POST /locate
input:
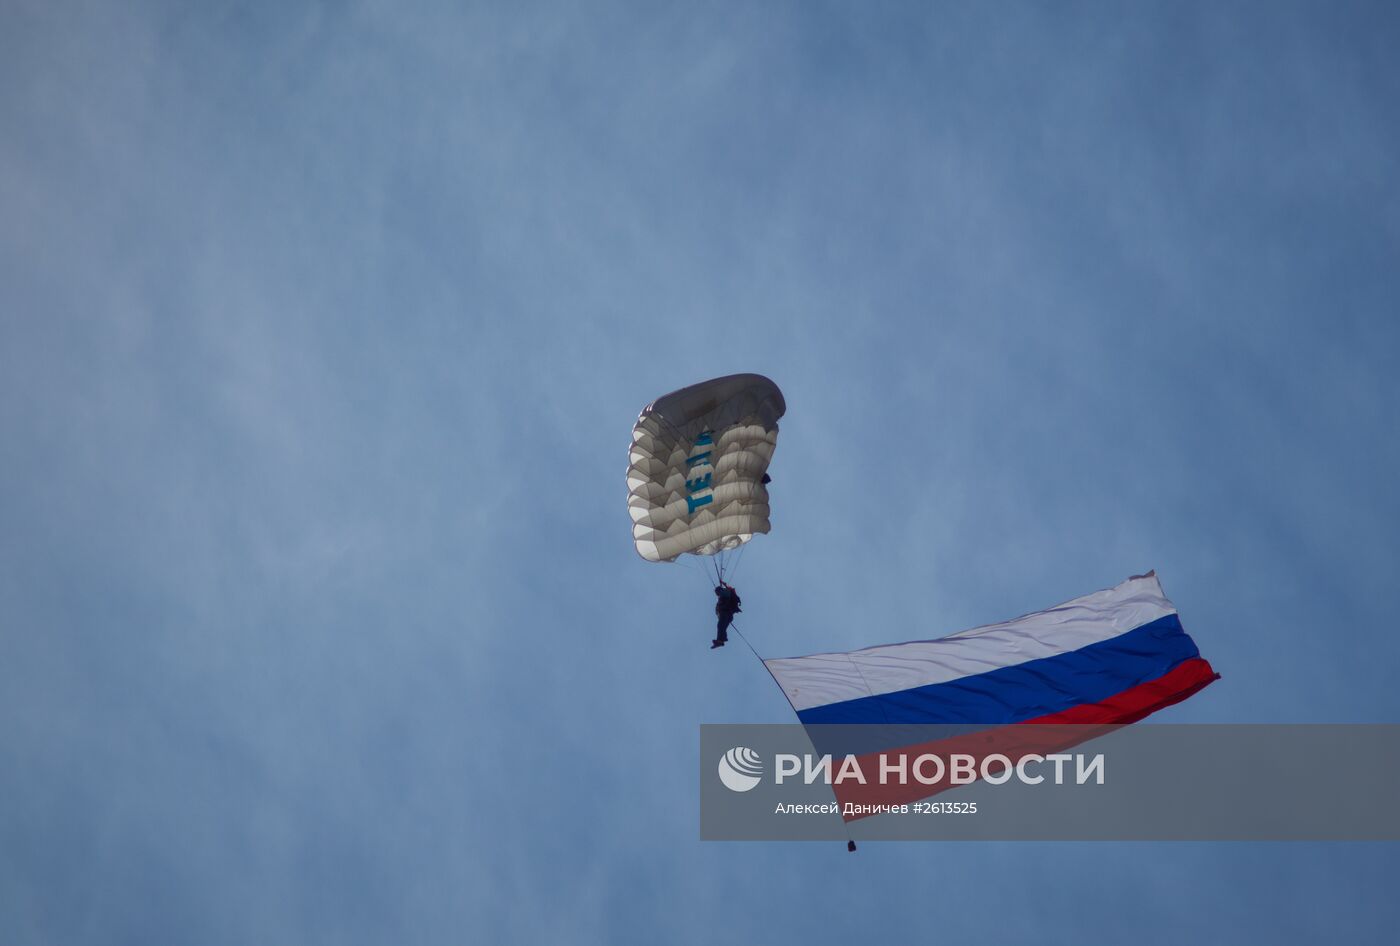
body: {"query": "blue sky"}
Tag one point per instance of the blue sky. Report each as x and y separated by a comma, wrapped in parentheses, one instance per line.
(322, 330)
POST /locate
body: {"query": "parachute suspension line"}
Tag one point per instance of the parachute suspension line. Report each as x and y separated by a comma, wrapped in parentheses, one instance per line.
(697, 569)
(740, 557)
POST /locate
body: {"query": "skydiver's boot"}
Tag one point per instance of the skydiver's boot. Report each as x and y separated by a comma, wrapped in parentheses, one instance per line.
(716, 643)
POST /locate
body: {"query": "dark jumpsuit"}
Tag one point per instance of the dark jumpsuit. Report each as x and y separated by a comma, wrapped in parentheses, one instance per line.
(726, 605)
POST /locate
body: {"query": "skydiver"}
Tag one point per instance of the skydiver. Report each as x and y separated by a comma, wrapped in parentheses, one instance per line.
(726, 606)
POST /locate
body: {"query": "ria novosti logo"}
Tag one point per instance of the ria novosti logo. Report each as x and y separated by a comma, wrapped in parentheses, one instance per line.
(740, 769)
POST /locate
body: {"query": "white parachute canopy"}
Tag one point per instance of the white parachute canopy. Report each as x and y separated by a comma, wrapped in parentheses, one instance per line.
(696, 467)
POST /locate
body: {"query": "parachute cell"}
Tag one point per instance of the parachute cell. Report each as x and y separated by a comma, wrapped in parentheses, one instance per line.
(696, 467)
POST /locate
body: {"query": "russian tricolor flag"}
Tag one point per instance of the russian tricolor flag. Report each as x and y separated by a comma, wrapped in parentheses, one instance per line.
(1105, 659)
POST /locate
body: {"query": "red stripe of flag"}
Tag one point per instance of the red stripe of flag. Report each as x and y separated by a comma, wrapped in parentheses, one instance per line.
(1042, 735)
